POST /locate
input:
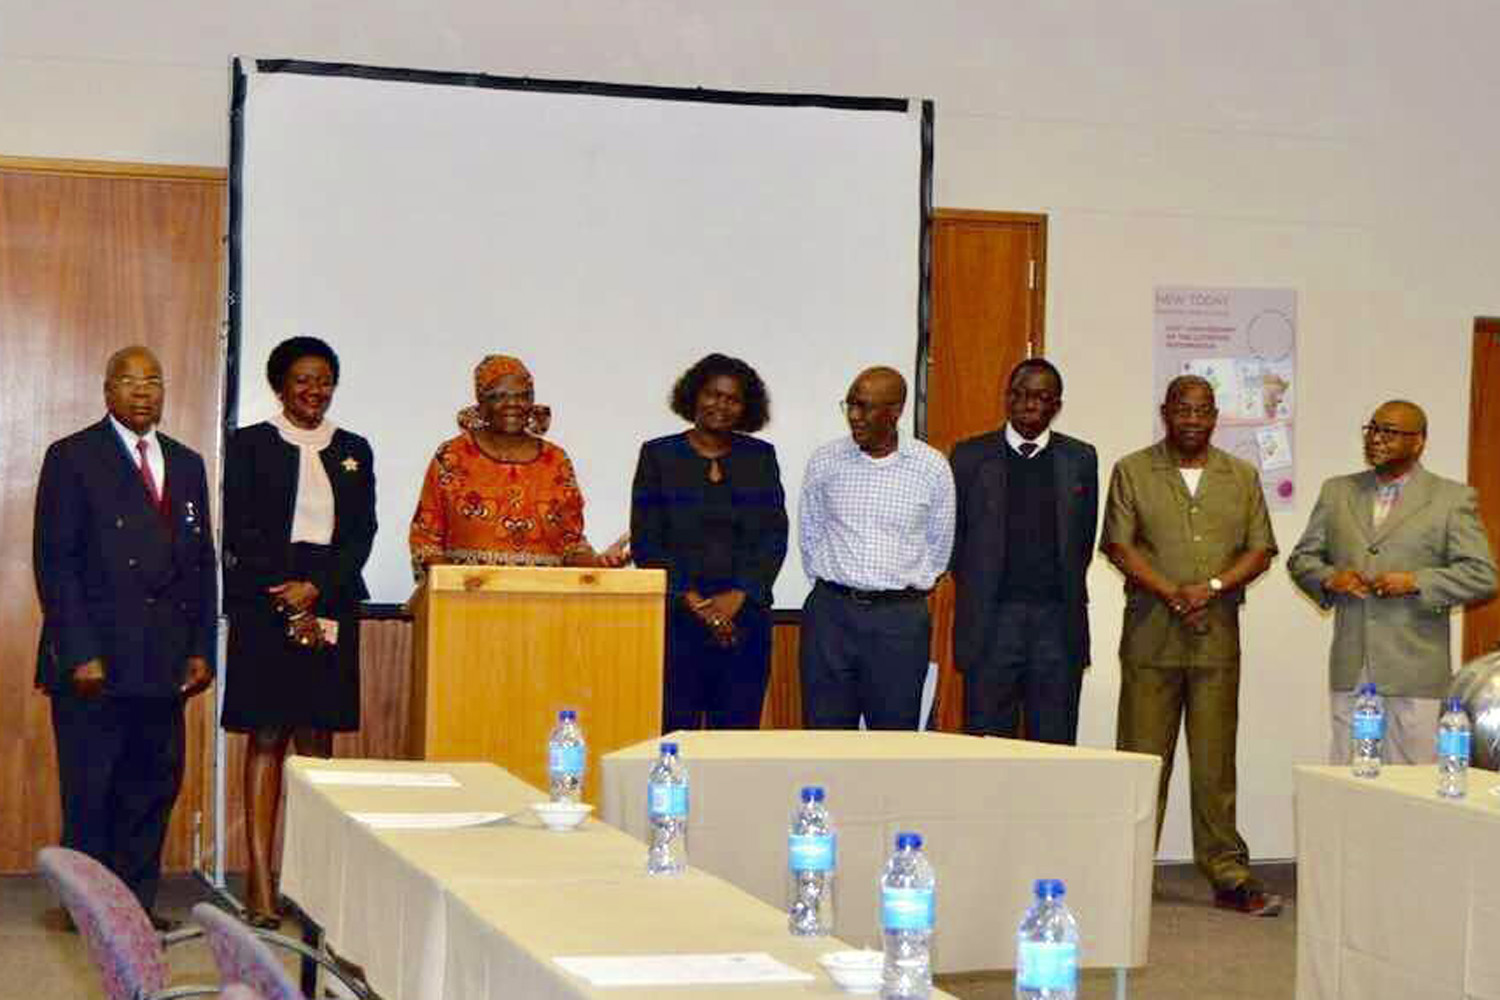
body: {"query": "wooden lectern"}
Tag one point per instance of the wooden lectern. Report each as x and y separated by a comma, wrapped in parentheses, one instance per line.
(499, 650)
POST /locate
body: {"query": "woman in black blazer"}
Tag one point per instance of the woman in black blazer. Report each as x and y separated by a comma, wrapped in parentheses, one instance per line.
(299, 520)
(708, 507)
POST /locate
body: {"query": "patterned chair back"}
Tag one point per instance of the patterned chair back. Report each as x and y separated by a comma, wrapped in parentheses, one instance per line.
(121, 942)
(242, 957)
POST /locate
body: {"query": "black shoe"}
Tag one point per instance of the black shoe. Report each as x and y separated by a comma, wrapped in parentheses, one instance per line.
(164, 925)
(1248, 899)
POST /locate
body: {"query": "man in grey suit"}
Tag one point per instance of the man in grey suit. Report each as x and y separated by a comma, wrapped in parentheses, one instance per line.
(1393, 551)
(1028, 506)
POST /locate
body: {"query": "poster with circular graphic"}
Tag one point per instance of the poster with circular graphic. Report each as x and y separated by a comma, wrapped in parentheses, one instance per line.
(1243, 342)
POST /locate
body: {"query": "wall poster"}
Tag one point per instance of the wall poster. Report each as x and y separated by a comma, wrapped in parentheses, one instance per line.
(1244, 342)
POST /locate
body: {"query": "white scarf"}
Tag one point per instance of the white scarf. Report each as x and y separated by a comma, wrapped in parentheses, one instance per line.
(312, 514)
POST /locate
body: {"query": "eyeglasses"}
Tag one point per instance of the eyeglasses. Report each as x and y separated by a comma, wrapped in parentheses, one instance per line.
(1043, 398)
(848, 406)
(1386, 431)
(1192, 411)
(130, 383)
(525, 396)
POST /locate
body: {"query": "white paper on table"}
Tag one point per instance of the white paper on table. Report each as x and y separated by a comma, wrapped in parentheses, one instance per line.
(425, 821)
(682, 970)
(389, 779)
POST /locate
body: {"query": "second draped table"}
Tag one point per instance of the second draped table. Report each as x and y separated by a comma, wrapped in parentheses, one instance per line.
(995, 815)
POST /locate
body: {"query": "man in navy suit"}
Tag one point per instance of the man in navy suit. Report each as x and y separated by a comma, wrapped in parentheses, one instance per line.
(1028, 504)
(124, 560)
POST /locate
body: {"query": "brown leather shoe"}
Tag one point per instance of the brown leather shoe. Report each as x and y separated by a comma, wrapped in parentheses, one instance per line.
(1249, 900)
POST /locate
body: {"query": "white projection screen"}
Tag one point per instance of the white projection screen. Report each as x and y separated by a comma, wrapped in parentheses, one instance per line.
(609, 236)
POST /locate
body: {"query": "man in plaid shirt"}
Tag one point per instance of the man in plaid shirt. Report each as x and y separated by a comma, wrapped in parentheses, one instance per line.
(876, 529)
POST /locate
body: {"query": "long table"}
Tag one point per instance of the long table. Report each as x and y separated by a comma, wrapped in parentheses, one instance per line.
(479, 913)
(1398, 891)
(995, 814)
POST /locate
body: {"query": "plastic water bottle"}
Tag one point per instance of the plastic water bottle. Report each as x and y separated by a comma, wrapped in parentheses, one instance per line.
(1453, 738)
(1366, 731)
(567, 758)
(907, 889)
(812, 860)
(1047, 947)
(667, 814)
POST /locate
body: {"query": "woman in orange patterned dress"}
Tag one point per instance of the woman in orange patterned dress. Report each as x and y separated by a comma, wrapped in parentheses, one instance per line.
(498, 494)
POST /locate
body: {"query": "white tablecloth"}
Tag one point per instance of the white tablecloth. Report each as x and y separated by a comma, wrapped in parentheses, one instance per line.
(478, 914)
(1398, 891)
(995, 814)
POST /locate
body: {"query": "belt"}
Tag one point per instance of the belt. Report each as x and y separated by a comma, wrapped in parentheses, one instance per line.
(874, 596)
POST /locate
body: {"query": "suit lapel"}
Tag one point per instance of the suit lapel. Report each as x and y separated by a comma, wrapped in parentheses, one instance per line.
(127, 475)
(179, 508)
(1362, 503)
(1165, 463)
(993, 477)
(1416, 494)
(1064, 479)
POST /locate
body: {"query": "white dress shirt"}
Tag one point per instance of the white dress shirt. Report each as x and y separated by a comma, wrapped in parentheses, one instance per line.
(1015, 440)
(129, 438)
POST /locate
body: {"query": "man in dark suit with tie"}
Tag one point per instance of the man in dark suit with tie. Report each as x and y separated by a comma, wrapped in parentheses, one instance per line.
(124, 561)
(1028, 504)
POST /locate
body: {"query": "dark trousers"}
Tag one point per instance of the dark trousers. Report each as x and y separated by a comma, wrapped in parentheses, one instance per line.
(119, 765)
(708, 686)
(1027, 672)
(860, 658)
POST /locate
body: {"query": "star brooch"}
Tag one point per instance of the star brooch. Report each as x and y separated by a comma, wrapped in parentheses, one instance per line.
(350, 464)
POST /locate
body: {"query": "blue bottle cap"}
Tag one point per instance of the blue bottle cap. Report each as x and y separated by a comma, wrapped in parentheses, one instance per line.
(1454, 704)
(1050, 888)
(1368, 687)
(812, 793)
(907, 840)
(567, 715)
(669, 749)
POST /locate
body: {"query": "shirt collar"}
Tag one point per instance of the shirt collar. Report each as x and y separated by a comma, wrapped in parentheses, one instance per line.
(903, 448)
(1164, 457)
(130, 437)
(1015, 440)
(1392, 485)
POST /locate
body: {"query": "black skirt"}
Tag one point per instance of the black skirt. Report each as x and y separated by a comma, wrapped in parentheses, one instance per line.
(272, 683)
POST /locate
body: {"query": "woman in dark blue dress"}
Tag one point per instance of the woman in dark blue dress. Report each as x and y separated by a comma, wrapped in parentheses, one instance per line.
(708, 507)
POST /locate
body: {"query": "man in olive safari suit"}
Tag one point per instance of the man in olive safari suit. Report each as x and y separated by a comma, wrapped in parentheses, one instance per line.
(1393, 550)
(1187, 525)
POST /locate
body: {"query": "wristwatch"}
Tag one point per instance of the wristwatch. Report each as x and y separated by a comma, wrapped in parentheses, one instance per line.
(1216, 585)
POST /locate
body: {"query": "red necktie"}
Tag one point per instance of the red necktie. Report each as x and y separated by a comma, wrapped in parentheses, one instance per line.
(146, 476)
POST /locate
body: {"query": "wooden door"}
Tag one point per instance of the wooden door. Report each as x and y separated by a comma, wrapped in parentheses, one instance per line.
(988, 295)
(1482, 621)
(92, 257)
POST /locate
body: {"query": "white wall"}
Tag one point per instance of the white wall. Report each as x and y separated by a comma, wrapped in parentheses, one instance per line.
(1344, 148)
